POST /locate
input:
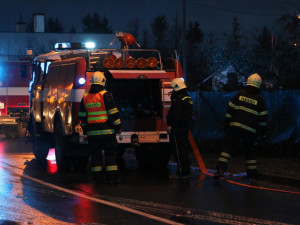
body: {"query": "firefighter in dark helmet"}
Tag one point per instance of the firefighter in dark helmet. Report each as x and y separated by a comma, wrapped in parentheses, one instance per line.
(245, 120)
(178, 126)
(100, 122)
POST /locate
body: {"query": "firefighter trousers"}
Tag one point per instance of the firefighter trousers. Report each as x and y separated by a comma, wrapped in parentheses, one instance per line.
(238, 140)
(180, 148)
(108, 164)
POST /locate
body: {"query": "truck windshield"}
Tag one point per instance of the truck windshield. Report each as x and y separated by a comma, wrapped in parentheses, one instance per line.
(137, 99)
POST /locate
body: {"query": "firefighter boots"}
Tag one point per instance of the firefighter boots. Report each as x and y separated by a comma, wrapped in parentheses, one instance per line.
(112, 177)
(97, 177)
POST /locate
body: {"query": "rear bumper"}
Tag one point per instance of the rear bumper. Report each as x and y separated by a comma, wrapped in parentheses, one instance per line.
(143, 137)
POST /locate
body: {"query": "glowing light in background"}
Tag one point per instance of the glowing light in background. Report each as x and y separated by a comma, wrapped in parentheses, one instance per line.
(2, 149)
(51, 162)
(85, 210)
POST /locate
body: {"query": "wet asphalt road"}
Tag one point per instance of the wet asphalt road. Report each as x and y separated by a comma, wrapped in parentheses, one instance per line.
(30, 194)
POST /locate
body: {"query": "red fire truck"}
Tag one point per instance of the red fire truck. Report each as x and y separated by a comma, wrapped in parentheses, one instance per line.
(139, 80)
(14, 101)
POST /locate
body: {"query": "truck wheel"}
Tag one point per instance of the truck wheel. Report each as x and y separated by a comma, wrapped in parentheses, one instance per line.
(40, 144)
(120, 160)
(61, 148)
(80, 163)
(153, 156)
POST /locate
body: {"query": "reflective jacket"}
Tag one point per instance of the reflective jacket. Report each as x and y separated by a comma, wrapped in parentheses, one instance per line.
(181, 109)
(98, 114)
(95, 107)
(247, 111)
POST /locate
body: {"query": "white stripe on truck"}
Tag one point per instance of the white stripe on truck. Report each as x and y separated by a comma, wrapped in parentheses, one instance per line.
(14, 91)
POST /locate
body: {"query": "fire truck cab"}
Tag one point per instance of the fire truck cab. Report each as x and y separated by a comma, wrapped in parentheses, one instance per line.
(139, 80)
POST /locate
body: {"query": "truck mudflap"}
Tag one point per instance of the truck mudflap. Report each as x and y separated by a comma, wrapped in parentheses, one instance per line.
(143, 137)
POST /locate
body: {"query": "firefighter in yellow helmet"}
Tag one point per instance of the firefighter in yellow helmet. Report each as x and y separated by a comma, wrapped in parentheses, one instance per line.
(178, 126)
(100, 122)
(245, 120)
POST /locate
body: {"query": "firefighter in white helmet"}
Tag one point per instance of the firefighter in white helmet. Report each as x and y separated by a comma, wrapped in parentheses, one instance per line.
(245, 120)
(178, 120)
(100, 122)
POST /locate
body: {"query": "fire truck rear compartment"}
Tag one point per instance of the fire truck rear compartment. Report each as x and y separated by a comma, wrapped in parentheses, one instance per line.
(139, 102)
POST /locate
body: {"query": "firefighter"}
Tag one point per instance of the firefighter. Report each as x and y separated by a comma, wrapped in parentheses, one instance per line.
(245, 120)
(100, 123)
(178, 120)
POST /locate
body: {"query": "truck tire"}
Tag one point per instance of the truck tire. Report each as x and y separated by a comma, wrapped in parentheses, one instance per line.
(80, 163)
(61, 148)
(153, 156)
(40, 144)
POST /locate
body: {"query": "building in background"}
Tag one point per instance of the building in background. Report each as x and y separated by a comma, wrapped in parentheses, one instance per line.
(14, 45)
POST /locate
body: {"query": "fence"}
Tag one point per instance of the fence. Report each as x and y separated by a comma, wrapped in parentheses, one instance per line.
(283, 115)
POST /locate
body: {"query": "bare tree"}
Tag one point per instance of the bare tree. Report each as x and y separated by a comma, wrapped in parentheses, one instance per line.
(145, 42)
(160, 31)
(176, 34)
(93, 24)
(54, 26)
(133, 28)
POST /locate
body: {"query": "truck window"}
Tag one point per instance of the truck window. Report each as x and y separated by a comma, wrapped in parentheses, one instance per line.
(36, 72)
(137, 99)
(45, 67)
(39, 71)
(23, 71)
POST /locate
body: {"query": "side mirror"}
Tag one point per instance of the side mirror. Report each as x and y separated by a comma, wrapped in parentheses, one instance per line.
(23, 71)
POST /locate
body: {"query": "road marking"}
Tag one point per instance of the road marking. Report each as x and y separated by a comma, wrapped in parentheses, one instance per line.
(151, 207)
(147, 215)
(188, 213)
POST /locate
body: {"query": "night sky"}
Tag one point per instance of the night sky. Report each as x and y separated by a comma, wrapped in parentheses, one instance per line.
(214, 15)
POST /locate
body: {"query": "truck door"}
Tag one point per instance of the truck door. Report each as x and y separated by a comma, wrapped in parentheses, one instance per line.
(37, 91)
(50, 83)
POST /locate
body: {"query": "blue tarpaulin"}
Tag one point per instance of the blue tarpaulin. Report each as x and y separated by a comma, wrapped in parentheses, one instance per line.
(283, 114)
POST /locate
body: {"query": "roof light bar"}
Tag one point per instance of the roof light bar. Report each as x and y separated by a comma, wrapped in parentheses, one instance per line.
(75, 45)
(90, 45)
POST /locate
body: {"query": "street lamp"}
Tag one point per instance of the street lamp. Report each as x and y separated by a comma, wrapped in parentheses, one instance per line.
(298, 17)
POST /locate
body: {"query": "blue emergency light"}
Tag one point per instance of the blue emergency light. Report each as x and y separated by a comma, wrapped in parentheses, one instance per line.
(74, 45)
(81, 81)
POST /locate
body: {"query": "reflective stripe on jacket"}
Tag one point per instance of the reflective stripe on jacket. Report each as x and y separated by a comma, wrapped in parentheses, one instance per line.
(247, 111)
(98, 114)
(95, 107)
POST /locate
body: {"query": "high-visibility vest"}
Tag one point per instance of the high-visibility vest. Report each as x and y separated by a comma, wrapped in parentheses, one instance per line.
(95, 107)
